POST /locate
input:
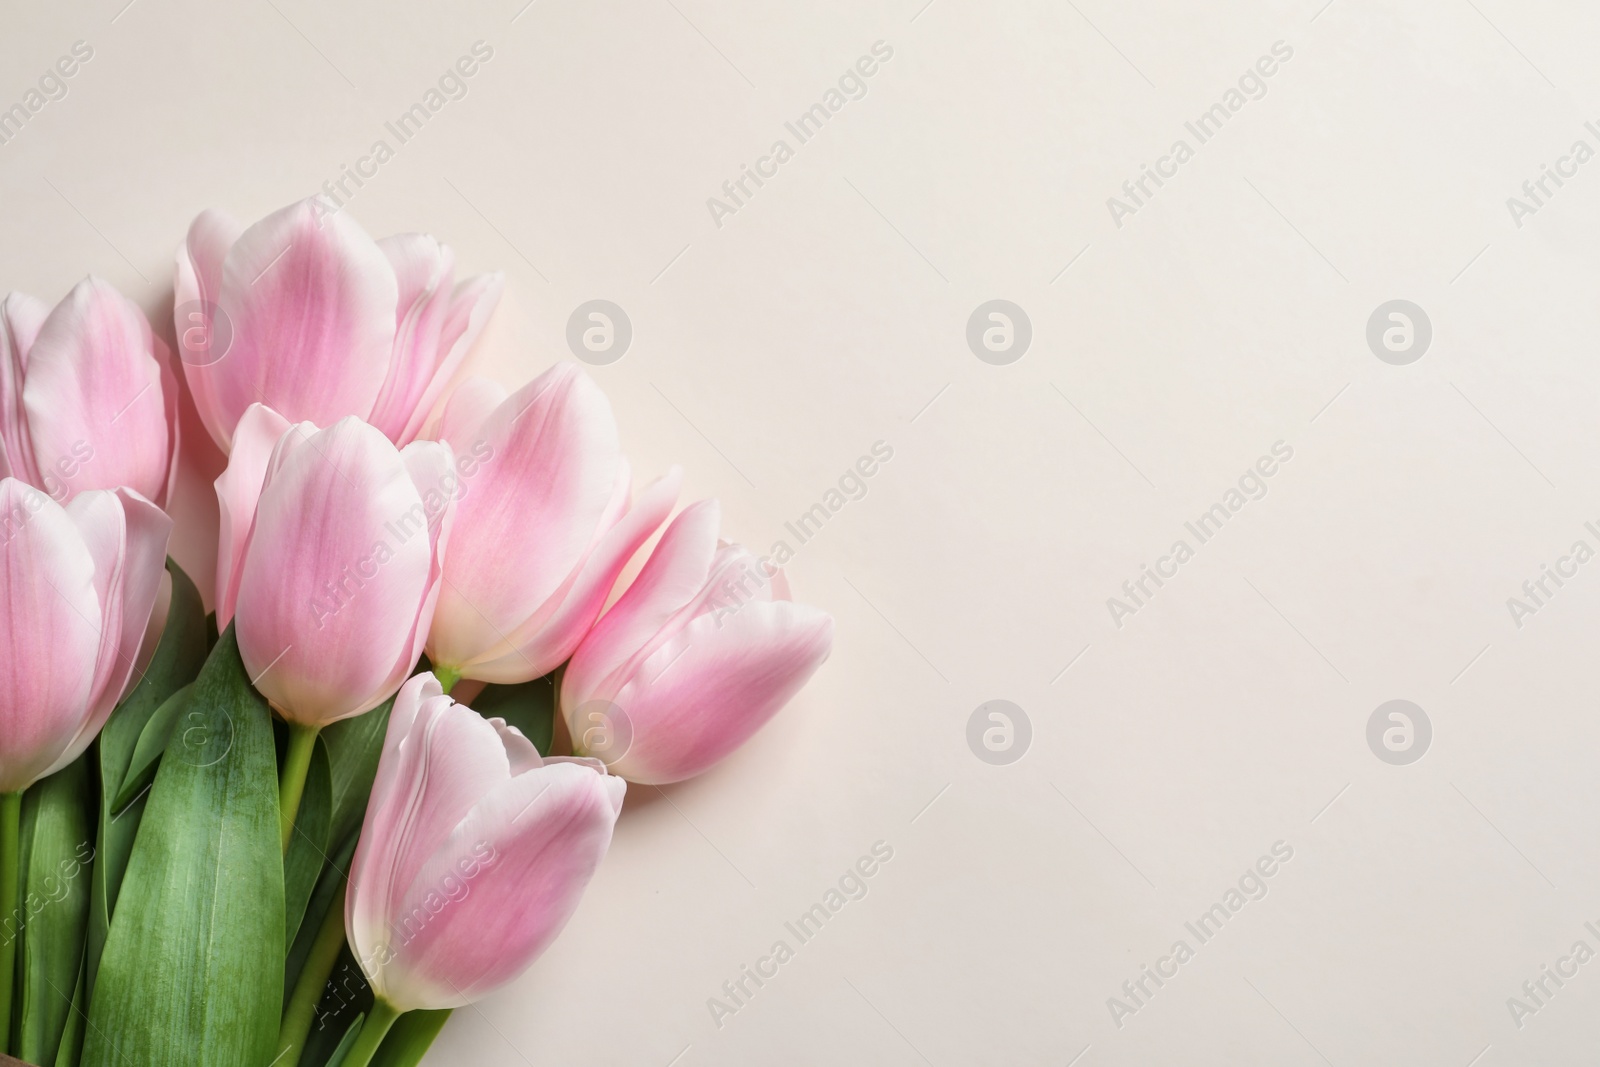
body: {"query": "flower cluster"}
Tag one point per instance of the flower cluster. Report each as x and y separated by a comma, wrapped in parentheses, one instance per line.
(268, 791)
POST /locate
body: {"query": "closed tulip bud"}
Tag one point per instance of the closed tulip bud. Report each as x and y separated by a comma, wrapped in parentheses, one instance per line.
(79, 585)
(474, 853)
(87, 399)
(306, 313)
(329, 560)
(695, 657)
(544, 525)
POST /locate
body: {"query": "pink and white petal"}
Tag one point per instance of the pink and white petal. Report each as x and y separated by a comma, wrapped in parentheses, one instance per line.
(196, 284)
(93, 388)
(311, 300)
(671, 578)
(538, 651)
(704, 693)
(538, 499)
(133, 582)
(468, 408)
(238, 489)
(21, 316)
(396, 792)
(521, 753)
(456, 758)
(471, 305)
(425, 272)
(327, 594)
(548, 830)
(49, 633)
(169, 392)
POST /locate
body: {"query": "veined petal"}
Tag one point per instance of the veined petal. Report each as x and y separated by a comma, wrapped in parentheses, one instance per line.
(425, 272)
(197, 284)
(238, 489)
(311, 300)
(471, 306)
(93, 395)
(706, 691)
(20, 318)
(49, 632)
(328, 596)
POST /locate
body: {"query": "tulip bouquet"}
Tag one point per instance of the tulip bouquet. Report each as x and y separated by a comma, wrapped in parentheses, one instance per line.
(269, 835)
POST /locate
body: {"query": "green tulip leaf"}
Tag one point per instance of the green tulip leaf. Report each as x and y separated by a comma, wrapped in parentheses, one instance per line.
(56, 853)
(177, 659)
(72, 1037)
(193, 965)
(354, 746)
(147, 750)
(350, 1036)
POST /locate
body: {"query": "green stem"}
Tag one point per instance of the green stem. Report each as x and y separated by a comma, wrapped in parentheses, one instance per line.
(292, 782)
(379, 1019)
(408, 1042)
(448, 677)
(10, 918)
(302, 1009)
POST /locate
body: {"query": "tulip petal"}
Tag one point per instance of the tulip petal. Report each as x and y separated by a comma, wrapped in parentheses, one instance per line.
(325, 578)
(473, 301)
(93, 396)
(196, 286)
(128, 537)
(544, 833)
(48, 644)
(20, 318)
(238, 489)
(311, 299)
(425, 272)
(539, 498)
(673, 577)
(549, 638)
(705, 692)
(468, 408)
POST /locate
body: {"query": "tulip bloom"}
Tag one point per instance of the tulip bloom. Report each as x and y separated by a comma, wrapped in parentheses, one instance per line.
(87, 400)
(80, 583)
(695, 657)
(473, 855)
(307, 314)
(543, 528)
(329, 561)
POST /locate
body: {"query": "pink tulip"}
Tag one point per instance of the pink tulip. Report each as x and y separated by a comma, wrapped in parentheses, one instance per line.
(305, 313)
(87, 400)
(79, 584)
(329, 560)
(543, 528)
(473, 855)
(695, 657)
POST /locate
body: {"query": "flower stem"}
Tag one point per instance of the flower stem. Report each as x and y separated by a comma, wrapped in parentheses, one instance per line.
(302, 1009)
(379, 1019)
(292, 782)
(10, 918)
(448, 677)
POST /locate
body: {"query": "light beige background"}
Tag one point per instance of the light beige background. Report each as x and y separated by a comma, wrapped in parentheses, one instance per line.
(830, 312)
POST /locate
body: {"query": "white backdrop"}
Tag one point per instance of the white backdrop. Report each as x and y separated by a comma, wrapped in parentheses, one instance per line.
(1178, 338)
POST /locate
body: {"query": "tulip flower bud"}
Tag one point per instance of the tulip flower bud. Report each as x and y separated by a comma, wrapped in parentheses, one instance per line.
(693, 659)
(543, 528)
(80, 582)
(329, 560)
(306, 313)
(473, 855)
(87, 400)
